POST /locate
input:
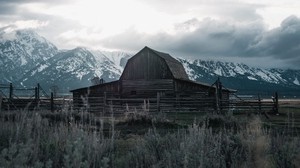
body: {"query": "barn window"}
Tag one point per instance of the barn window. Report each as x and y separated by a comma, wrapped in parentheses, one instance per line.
(133, 92)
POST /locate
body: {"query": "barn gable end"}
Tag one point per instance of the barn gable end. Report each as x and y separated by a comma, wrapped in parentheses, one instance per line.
(149, 64)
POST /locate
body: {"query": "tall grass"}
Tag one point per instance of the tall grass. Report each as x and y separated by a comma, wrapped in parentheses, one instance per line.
(27, 139)
(79, 139)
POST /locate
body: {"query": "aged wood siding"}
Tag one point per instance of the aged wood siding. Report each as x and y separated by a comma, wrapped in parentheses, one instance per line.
(146, 65)
(146, 88)
(193, 89)
(92, 94)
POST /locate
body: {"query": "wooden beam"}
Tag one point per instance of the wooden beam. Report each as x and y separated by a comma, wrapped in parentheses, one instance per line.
(10, 91)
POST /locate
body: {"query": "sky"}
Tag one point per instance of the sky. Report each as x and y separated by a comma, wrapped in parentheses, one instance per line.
(263, 33)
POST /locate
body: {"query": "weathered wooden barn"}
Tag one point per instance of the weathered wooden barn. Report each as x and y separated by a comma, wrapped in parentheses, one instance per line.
(149, 74)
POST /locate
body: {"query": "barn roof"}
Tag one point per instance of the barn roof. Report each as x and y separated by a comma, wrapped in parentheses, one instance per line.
(174, 65)
(94, 86)
(210, 86)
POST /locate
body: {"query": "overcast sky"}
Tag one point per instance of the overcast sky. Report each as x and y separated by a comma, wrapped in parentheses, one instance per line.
(258, 32)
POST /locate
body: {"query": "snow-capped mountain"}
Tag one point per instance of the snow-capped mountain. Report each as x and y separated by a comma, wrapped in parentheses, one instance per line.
(242, 77)
(230, 69)
(75, 68)
(20, 51)
(110, 64)
(27, 58)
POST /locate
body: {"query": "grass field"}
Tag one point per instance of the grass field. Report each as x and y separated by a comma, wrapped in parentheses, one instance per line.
(289, 114)
(81, 139)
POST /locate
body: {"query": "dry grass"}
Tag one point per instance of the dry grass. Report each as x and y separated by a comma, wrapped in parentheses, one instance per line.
(79, 139)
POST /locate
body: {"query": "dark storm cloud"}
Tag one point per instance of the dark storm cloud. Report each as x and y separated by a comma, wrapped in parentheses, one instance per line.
(282, 42)
(213, 38)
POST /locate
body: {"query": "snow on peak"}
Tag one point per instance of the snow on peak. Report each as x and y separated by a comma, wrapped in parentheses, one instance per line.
(7, 35)
(115, 56)
(251, 78)
(296, 81)
(231, 69)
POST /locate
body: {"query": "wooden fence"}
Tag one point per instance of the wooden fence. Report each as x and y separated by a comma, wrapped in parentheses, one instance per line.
(235, 104)
(13, 98)
(37, 98)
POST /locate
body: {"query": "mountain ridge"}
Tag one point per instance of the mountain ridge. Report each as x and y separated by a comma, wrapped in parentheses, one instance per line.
(28, 58)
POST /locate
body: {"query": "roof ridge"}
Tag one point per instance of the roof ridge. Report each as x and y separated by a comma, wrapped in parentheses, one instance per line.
(163, 55)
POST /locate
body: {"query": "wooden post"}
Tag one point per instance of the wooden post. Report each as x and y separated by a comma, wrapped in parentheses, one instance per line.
(52, 102)
(38, 91)
(35, 93)
(220, 94)
(217, 100)
(276, 103)
(104, 102)
(217, 96)
(10, 91)
(0, 103)
(158, 102)
(259, 104)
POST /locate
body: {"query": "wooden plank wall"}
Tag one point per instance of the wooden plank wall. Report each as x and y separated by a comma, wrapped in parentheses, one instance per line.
(146, 88)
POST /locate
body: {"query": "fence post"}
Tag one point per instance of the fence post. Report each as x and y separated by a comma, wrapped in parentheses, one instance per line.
(217, 100)
(52, 102)
(276, 103)
(10, 91)
(0, 103)
(35, 93)
(220, 95)
(158, 102)
(259, 104)
(38, 91)
(104, 102)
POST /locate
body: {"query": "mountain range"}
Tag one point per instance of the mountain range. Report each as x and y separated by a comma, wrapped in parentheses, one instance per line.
(27, 58)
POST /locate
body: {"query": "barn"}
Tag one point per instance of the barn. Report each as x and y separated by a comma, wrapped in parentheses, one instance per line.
(149, 74)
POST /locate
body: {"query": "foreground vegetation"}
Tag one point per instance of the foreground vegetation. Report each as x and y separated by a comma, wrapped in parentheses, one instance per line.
(79, 139)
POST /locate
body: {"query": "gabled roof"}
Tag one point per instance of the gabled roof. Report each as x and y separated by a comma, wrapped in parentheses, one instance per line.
(174, 65)
(94, 86)
(208, 85)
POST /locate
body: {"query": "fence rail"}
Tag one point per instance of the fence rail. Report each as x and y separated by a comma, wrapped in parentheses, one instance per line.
(104, 105)
(13, 98)
(39, 99)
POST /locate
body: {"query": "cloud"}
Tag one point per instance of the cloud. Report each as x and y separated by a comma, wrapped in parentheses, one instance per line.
(30, 24)
(9, 32)
(7, 9)
(24, 24)
(193, 38)
(228, 29)
(220, 9)
(211, 38)
(18, 2)
(282, 42)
